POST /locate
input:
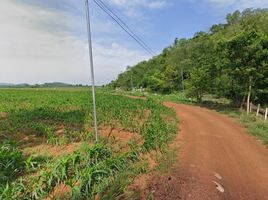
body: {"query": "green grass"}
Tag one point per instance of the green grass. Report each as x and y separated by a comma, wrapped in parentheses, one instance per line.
(100, 169)
(255, 125)
(175, 97)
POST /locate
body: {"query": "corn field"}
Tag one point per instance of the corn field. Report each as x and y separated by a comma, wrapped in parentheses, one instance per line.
(62, 117)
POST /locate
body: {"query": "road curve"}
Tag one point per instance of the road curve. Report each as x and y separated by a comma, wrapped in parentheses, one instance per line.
(218, 160)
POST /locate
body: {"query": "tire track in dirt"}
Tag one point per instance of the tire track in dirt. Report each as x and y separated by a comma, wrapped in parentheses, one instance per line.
(217, 160)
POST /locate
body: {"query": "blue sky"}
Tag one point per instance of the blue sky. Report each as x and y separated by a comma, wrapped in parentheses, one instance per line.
(45, 40)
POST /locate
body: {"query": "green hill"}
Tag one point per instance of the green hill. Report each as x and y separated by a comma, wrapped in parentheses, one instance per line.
(230, 60)
(45, 85)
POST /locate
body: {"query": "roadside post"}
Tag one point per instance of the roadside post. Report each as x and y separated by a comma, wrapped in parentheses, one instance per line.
(266, 113)
(91, 68)
(258, 110)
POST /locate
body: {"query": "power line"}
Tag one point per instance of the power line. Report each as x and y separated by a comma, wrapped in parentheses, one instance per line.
(127, 27)
(123, 26)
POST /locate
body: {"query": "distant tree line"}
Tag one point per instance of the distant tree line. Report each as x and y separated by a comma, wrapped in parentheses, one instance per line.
(230, 60)
(45, 85)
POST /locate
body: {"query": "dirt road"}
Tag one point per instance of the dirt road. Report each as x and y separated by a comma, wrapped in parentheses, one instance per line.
(218, 160)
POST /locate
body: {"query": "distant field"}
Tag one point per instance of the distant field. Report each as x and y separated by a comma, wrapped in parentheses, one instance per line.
(47, 145)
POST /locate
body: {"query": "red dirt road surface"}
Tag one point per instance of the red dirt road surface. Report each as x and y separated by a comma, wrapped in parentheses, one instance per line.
(217, 160)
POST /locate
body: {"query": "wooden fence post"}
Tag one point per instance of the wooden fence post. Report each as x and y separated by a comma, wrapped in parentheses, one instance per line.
(266, 112)
(258, 110)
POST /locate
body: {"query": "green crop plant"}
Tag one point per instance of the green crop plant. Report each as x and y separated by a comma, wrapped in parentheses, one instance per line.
(11, 161)
(61, 117)
(89, 171)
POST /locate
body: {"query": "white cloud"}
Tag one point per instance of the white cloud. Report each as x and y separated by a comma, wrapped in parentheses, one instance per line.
(38, 44)
(154, 4)
(113, 60)
(157, 4)
(239, 4)
(132, 8)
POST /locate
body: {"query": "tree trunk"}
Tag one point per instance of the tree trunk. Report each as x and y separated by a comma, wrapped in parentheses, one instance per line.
(182, 79)
(243, 102)
(248, 97)
(199, 97)
(131, 83)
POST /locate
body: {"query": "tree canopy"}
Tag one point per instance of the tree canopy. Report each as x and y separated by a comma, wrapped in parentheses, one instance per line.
(230, 60)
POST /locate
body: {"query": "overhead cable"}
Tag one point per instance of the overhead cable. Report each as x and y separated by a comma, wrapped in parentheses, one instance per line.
(123, 25)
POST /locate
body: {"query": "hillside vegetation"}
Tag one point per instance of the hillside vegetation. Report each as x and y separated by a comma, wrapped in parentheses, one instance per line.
(230, 60)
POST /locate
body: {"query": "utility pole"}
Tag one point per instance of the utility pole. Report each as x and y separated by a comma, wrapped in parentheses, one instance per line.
(91, 68)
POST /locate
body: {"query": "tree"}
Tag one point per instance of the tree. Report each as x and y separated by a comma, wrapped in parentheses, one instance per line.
(247, 53)
(197, 84)
(230, 60)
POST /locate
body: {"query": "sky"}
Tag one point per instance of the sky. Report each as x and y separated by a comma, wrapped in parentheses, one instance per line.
(46, 40)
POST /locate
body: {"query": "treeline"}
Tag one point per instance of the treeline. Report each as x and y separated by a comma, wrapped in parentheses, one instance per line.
(230, 60)
(45, 85)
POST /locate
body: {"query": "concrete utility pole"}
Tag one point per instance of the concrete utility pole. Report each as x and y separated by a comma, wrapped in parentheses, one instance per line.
(91, 68)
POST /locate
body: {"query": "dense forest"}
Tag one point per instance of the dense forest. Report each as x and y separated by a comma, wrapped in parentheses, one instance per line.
(230, 60)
